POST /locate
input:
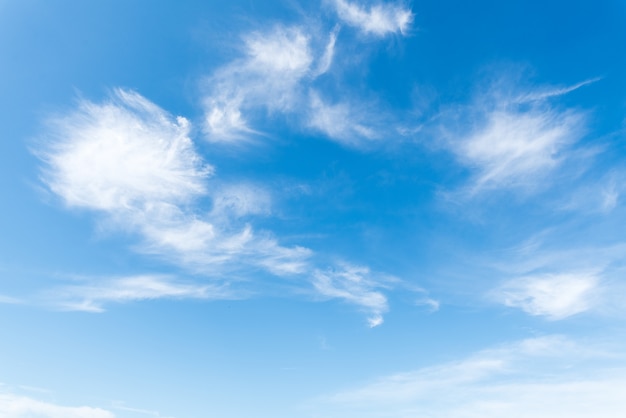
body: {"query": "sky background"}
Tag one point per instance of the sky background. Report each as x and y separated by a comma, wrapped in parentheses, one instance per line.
(325, 209)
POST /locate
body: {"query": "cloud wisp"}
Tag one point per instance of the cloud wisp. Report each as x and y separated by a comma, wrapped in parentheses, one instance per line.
(277, 75)
(529, 378)
(268, 76)
(555, 296)
(378, 19)
(510, 139)
(355, 285)
(558, 284)
(93, 295)
(136, 165)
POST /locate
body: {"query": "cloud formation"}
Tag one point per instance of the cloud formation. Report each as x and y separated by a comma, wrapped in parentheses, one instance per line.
(134, 163)
(534, 378)
(93, 295)
(268, 76)
(379, 19)
(512, 139)
(555, 296)
(123, 154)
(277, 75)
(355, 285)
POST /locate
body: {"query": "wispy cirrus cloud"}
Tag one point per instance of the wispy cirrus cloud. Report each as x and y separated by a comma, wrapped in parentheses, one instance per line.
(268, 76)
(92, 295)
(123, 154)
(378, 19)
(342, 121)
(559, 283)
(528, 378)
(135, 164)
(513, 136)
(277, 75)
(356, 285)
(555, 296)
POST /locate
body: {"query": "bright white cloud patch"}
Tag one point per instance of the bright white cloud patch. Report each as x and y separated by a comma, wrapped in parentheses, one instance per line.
(133, 161)
(515, 146)
(284, 51)
(14, 406)
(355, 285)
(512, 139)
(377, 19)
(555, 296)
(122, 154)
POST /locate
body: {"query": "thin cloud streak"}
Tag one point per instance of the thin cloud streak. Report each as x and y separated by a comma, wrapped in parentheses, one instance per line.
(15, 406)
(355, 285)
(510, 380)
(92, 296)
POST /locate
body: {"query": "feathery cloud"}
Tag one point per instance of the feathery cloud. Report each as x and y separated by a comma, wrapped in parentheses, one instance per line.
(131, 161)
(341, 121)
(512, 139)
(121, 155)
(135, 163)
(267, 76)
(379, 19)
(93, 295)
(356, 285)
(555, 296)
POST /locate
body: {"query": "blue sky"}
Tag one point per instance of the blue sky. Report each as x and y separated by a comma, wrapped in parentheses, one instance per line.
(328, 209)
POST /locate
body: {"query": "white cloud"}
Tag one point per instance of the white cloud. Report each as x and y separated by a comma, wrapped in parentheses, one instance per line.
(121, 154)
(356, 285)
(268, 76)
(379, 19)
(93, 295)
(555, 296)
(326, 60)
(283, 52)
(14, 406)
(131, 160)
(512, 139)
(514, 146)
(341, 121)
(278, 74)
(534, 378)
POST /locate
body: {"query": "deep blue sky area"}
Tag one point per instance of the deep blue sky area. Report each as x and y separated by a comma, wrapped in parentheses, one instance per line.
(331, 209)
